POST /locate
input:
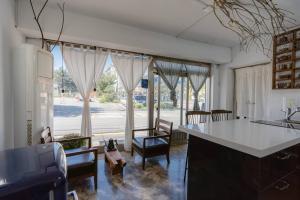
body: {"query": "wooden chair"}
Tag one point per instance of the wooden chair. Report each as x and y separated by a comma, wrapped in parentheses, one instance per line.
(220, 115)
(158, 144)
(194, 117)
(81, 162)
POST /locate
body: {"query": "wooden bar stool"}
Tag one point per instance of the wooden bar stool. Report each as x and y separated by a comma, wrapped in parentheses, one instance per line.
(194, 117)
(220, 115)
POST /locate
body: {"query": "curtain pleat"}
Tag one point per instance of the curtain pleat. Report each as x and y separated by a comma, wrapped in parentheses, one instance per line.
(84, 66)
(197, 76)
(253, 91)
(170, 72)
(131, 69)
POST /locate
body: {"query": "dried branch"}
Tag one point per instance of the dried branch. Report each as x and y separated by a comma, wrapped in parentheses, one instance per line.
(37, 17)
(254, 21)
(62, 9)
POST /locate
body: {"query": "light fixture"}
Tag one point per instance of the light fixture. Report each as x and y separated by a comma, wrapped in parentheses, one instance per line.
(254, 21)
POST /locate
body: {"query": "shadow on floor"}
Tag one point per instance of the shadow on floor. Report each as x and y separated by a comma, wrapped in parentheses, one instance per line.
(158, 181)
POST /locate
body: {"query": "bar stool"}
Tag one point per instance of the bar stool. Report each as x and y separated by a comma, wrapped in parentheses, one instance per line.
(194, 117)
(220, 115)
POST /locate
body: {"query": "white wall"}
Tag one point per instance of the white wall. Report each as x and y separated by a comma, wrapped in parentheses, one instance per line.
(241, 58)
(9, 38)
(215, 87)
(252, 57)
(95, 31)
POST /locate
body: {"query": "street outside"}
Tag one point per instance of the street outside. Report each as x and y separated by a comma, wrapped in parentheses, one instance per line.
(108, 119)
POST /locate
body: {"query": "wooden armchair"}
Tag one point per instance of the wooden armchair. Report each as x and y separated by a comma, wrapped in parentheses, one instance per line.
(158, 144)
(81, 162)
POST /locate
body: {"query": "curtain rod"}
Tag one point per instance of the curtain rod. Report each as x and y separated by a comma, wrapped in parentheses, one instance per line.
(265, 63)
(132, 52)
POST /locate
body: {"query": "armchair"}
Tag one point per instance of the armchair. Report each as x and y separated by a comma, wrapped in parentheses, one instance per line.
(82, 161)
(158, 144)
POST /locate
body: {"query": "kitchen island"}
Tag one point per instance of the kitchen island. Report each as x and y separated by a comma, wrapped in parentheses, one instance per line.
(242, 160)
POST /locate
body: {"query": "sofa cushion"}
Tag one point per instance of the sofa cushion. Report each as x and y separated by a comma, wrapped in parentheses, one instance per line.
(150, 143)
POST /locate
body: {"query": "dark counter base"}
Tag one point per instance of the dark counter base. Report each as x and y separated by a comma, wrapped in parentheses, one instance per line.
(216, 172)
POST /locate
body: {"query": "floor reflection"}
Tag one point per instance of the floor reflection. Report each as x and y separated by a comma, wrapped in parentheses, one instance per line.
(158, 181)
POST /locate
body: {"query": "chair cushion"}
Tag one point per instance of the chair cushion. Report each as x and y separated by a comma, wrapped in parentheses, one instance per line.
(80, 160)
(150, 143)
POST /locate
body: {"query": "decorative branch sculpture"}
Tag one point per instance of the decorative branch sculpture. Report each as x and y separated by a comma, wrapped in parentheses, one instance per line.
(37, 19)
(62, 9)
(254, 21)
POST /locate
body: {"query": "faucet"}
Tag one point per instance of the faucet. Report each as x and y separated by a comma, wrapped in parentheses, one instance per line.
(289, 113)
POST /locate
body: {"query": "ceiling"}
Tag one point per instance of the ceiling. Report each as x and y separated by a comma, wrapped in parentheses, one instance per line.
(187, 19)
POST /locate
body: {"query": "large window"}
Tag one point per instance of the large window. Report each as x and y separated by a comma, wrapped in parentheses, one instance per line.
(108, 103)
(108, 110)
(140, 100)
(167, 110)
(202, 98)
(164, 108)
(67, 105)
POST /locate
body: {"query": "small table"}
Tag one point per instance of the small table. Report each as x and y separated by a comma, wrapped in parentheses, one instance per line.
(115, 161)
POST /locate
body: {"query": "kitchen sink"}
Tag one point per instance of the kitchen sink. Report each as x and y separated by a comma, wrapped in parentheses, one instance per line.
(281, 123)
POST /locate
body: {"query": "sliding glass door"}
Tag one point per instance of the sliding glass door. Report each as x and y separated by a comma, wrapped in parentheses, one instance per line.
(164, 108)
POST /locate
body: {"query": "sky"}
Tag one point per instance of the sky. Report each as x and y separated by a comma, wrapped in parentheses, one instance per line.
(57, 59)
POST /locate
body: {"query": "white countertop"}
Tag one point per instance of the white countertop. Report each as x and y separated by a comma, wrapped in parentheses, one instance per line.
(255, 139)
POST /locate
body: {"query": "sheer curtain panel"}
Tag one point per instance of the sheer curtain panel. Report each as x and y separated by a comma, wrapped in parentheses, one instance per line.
(170, 72)
(131, 69)
(84, 65)
(253, 91)
(197, 76)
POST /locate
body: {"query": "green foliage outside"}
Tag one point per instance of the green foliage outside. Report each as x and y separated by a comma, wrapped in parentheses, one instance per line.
(69, 85)
(73, 144)
(165, 106)
(106, 88)
(140, 106)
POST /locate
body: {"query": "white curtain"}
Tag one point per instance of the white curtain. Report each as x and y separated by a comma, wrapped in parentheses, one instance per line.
(253, 91)
(197, 76)
(131, 69)
(84, 65)
(169, 72)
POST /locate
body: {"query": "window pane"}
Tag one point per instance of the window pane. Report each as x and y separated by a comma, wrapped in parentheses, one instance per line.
(67, 105)
(140, 99)
(156, 85)
(108, 106)
(167, 110)
(201, 98)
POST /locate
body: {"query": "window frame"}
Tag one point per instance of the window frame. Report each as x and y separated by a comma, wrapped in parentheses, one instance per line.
(182, 76)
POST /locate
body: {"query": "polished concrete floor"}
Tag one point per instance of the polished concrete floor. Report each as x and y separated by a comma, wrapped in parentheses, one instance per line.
(159, 181)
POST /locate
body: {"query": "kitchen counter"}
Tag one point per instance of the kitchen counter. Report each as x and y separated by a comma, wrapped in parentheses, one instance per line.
(258, 140)
(242, 160)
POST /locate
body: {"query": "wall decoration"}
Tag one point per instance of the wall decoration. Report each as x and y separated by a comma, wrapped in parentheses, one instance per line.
(286, 60)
